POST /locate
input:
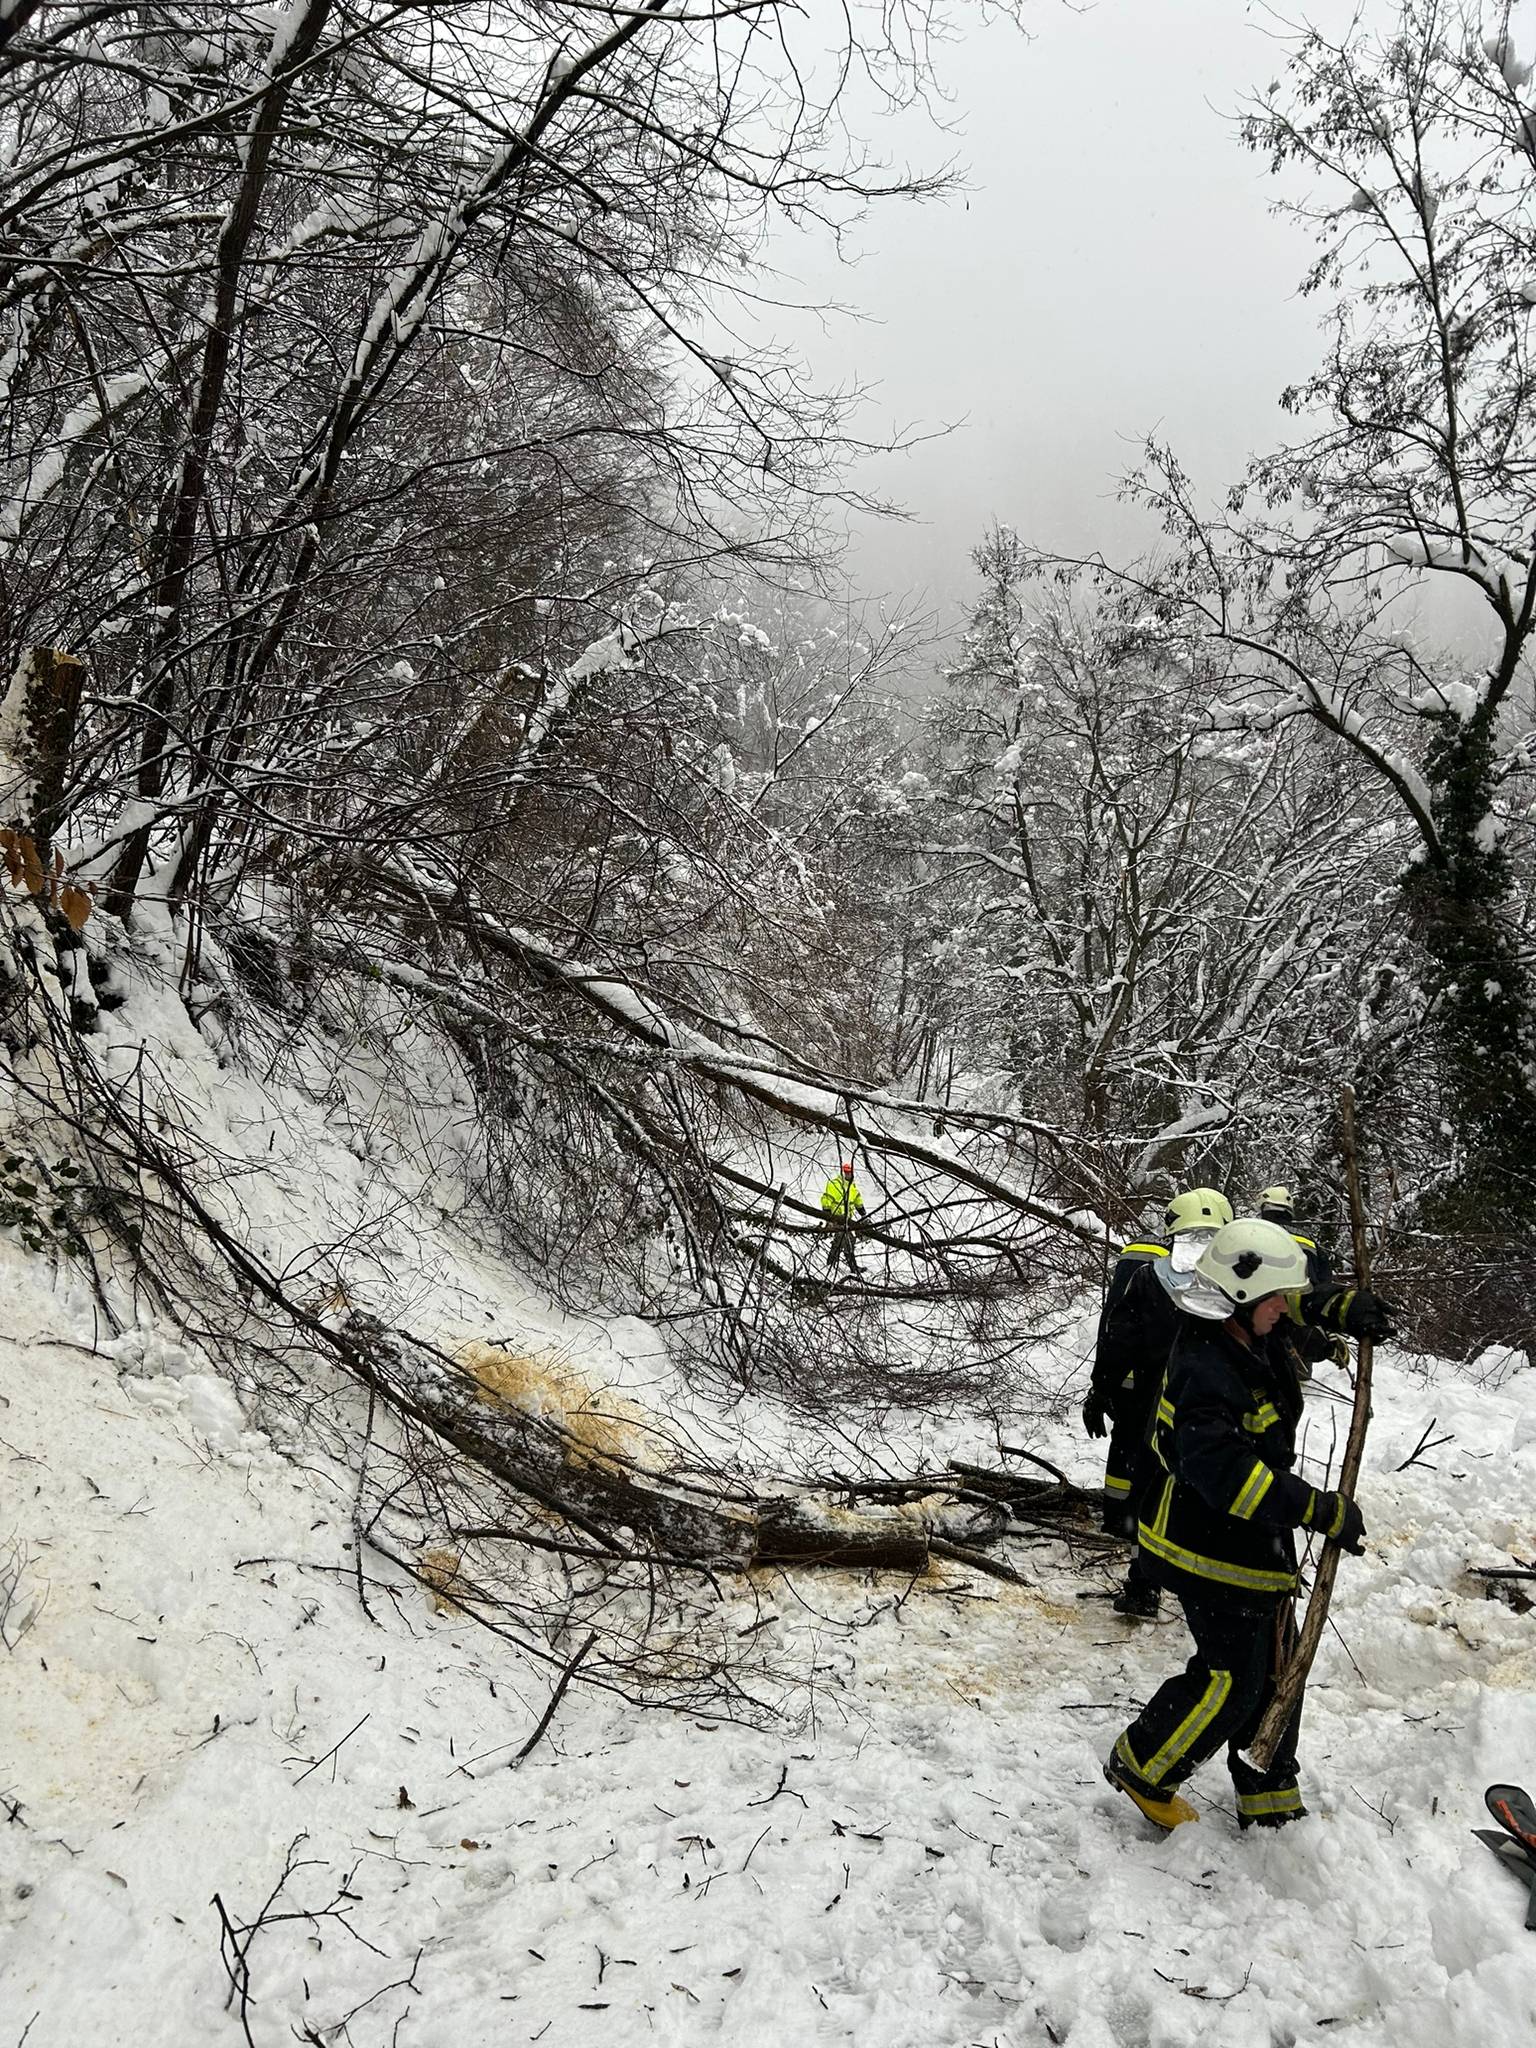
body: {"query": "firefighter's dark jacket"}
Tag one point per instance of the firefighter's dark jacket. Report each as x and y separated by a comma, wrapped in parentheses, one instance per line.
(1136, 1328)
(1216, 1520)
(1139, 1322)
(1319, 1265)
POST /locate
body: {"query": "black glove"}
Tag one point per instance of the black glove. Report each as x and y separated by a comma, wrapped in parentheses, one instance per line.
(1335, 1516)
(1359, 1313)
(1309, 1342)
(1095, 1416)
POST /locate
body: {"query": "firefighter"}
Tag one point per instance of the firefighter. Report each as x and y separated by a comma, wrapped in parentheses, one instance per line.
(1278, 1205)
(1217, 1521)
(1311, 1344)
(1136, 1329)
(842, 1205)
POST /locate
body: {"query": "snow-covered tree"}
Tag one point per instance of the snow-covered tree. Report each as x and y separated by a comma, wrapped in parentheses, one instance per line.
(1409, 153)
(338, 332)
(1166, 925)
(378, 434)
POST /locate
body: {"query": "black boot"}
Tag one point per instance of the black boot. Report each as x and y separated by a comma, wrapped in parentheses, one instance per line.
(1275, 1809)
(1137, 1601)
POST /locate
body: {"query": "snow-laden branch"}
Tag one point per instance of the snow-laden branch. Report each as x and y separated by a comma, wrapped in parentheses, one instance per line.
(1195, 1123)
(1317, 699)
(37, 485)
(862, 1117)
(14, 16)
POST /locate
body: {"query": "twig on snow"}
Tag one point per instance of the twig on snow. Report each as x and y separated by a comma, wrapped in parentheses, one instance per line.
(1199, 1990)
(332, 1751)
(554, 1701)
(1379, 1811)
(782, 1786)
(1425, 1443)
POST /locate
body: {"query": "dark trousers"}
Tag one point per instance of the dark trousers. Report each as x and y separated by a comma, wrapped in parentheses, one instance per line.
(1120, 1515)
(841, 1247)
(1137, 1584)
(1123, 1461)
(1127, 1475)
(1219, 1699)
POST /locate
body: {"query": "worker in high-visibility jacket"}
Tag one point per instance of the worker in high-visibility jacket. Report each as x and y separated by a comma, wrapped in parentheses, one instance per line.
(842, 1205)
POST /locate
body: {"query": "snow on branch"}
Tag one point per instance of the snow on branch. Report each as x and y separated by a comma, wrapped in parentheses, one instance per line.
(1315, 698)
(24, 500)
(867, 1117)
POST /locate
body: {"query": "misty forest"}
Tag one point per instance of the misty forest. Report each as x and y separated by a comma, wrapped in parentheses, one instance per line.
(741, 1302)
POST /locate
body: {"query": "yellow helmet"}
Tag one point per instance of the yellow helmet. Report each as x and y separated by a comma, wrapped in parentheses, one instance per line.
(1197, 1209)
(1277, 1204)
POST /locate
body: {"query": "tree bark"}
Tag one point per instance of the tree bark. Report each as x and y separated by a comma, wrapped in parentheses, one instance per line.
(37, 729)
(1292, 1682)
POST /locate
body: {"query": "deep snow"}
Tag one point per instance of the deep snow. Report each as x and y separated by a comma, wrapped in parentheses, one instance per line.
(924, 1852)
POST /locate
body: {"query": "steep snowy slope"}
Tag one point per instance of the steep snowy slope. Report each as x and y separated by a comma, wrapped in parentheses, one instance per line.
(921, 1854)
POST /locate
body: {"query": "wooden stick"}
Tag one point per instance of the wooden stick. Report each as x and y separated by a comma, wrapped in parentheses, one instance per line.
(978, 1561)
(1292, 1682)
(554, 1701)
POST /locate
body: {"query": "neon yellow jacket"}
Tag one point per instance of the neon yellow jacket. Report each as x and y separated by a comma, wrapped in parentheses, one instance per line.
(841, 1200)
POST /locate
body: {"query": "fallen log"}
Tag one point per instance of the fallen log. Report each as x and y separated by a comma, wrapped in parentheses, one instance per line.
(601, 1491)
(811, 1527)
(595, 1490)
(706, 1522)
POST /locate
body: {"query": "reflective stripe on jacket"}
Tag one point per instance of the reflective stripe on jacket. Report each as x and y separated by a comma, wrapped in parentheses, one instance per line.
(840, 1199)
(1319, 1265)
(1217, 1523)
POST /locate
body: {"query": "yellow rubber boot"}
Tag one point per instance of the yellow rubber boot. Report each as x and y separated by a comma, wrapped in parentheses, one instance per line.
(1167, 1813)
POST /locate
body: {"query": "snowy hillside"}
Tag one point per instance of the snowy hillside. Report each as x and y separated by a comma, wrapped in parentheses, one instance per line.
(580, 1089)
(204, 1730)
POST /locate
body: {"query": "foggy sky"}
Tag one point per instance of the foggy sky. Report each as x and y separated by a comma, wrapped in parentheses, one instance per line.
(1114, 269)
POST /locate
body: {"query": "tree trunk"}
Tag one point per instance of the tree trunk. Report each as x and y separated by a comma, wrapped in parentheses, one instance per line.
(1484, 997)
(37, 729)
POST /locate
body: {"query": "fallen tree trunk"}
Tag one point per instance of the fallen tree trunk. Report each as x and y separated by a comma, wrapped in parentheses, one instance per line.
(602, 1492)
(812, 1529)
(703, 1520)
(594, 1490)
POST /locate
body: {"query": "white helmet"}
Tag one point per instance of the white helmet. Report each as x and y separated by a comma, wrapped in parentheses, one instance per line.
(1277, 1204)
(1251, 1258)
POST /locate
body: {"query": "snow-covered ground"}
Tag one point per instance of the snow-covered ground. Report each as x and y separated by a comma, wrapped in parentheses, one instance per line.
(923, 1853)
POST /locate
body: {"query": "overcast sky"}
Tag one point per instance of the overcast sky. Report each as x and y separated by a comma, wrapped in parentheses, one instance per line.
(1114, 269)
